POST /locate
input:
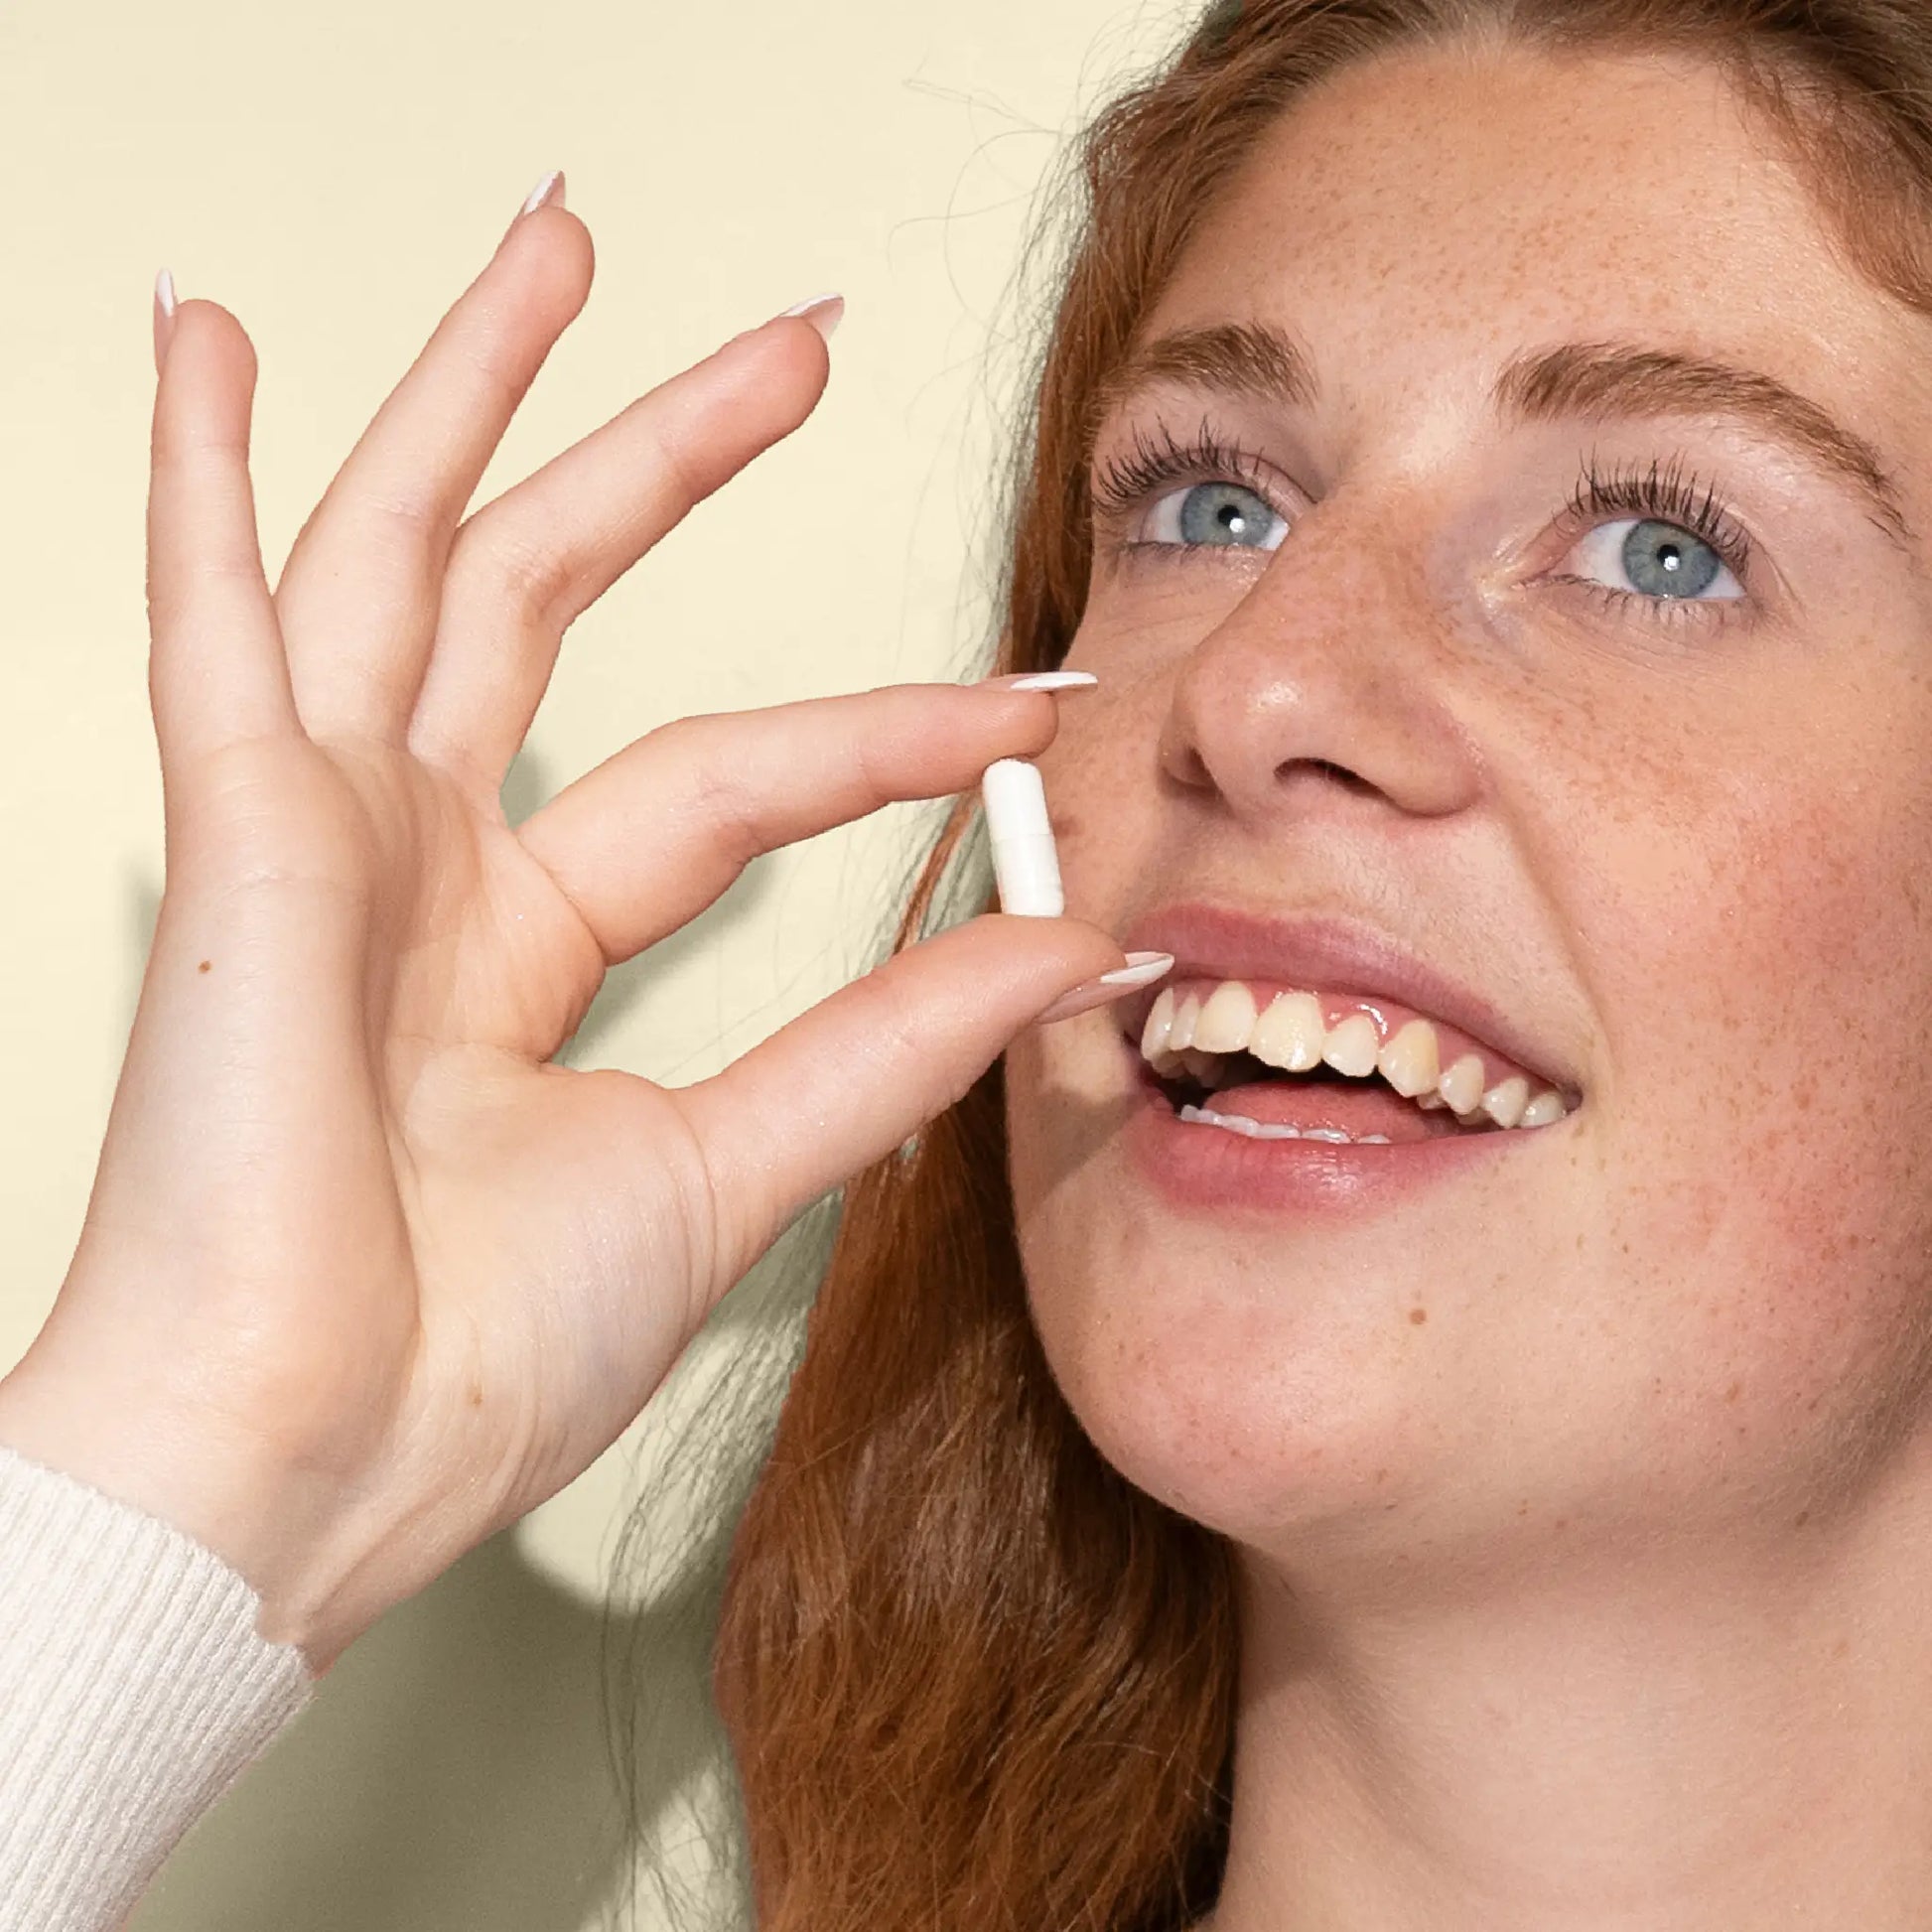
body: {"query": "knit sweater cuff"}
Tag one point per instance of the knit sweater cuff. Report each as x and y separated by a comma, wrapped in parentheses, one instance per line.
(134, 1690)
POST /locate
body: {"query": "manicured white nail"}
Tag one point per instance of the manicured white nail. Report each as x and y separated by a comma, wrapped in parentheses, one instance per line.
(1041, 681)
(1141, 969)
(163, 316)
(823, 312)
(547, 193)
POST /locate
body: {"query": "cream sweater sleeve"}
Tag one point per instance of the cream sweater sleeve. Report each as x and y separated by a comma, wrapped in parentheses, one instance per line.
(134, 1690)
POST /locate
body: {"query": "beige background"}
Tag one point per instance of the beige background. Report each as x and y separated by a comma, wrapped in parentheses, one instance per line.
(335, 176)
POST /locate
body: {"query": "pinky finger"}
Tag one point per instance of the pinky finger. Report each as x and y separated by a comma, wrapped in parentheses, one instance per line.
(217, 671)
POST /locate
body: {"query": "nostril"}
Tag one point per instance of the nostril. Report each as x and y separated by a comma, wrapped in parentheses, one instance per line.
(1328, 768)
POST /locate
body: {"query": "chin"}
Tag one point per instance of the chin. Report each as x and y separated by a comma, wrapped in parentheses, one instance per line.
(1253, 1410)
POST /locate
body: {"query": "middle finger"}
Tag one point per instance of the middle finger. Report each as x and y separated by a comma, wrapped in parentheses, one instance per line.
(359, 596)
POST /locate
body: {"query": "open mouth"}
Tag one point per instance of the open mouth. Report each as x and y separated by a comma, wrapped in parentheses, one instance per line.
(1279, 1062)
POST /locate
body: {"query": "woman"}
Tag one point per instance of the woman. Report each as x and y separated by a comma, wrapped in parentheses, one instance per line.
(1476, 458)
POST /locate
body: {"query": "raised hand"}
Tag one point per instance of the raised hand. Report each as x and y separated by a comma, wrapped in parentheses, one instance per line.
(364, 1276)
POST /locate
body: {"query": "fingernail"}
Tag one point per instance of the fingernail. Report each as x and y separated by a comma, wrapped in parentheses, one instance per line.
(163, 316)
(1039, 681)
(823, 312)
(548, 193)
(1141, 969)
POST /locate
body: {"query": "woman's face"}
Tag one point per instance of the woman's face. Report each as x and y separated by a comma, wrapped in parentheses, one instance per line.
(1645, 778)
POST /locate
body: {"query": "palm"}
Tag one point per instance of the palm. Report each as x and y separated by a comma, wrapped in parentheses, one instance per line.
(485, 949)
(506, 1168)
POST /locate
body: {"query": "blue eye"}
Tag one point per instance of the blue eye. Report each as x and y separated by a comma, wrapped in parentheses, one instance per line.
(1221, 515)
(1643, 557)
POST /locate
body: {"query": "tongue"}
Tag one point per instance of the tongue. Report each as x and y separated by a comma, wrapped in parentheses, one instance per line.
(1353, 1107)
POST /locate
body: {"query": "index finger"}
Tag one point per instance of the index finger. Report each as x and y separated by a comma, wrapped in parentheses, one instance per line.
(646, 840)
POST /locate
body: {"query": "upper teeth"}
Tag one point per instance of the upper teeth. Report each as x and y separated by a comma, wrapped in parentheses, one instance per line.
(1195, 1034)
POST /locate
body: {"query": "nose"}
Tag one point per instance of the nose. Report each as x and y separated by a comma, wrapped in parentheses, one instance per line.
(1329, 688)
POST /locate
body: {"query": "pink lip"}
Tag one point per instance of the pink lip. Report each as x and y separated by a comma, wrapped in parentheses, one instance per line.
(1327, 955)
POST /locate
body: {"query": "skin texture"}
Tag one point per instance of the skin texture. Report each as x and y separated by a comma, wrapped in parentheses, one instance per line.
(1593, 1599)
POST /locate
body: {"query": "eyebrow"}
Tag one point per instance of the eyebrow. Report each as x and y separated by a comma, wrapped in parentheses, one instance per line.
(1599, 379)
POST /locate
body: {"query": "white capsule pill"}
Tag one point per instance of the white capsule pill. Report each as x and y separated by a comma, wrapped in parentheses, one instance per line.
(1025, 861)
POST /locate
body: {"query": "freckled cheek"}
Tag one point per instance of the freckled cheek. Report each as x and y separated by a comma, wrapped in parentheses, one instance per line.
(1101, 776)
(1768, 1253)
(1766, 1001)
(1101, 773)
(1082, 1223)
(1066, 1236)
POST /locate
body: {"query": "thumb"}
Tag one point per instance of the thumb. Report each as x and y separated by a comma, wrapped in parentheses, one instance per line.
(855, 1076)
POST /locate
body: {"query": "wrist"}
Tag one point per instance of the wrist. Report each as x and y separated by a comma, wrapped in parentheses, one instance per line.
(135, 1449)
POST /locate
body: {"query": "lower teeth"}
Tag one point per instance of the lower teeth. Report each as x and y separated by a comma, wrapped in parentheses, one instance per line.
(1257, 1130)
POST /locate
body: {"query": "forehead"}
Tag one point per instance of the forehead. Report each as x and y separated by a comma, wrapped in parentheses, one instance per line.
(1419, 217)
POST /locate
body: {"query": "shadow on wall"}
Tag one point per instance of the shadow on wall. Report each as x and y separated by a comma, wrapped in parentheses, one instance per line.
(451, 1776)
(453, 1773)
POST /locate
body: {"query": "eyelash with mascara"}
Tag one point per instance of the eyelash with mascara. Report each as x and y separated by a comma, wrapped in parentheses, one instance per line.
(1668, 496)
(1663, 492)
(1154, 459)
